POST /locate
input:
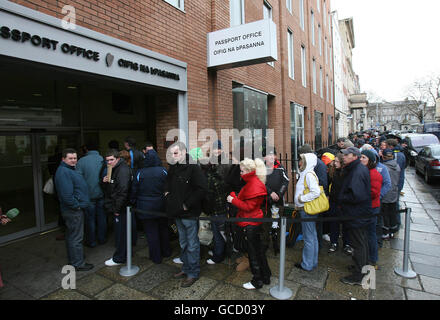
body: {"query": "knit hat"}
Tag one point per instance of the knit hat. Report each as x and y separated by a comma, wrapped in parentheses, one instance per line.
(305, 149)
(370, 155)
(327, 158)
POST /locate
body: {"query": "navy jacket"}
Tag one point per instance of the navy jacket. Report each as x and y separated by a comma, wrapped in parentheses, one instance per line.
(321, 172)
(355, 195)
(147, 193)
(71, 188)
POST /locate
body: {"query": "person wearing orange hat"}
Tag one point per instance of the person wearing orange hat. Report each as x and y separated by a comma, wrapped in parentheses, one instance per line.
(328, 158)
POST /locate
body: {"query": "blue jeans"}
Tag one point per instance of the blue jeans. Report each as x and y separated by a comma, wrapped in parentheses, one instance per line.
(96, 221)
(311, 245)
(190, 246)
(372, 238)
(219, 241)
(74, 220)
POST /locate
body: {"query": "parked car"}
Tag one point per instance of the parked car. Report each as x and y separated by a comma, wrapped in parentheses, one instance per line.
(417, 141)
(427, 162)
(433, 128)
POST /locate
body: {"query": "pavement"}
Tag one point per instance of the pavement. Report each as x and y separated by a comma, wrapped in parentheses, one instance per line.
(32, 268)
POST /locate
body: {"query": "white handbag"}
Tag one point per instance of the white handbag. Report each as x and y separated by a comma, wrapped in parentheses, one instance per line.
(49, 187)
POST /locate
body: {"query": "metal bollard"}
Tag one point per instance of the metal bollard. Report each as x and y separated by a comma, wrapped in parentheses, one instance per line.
(406, 272)
(280, 292)
(129, 270)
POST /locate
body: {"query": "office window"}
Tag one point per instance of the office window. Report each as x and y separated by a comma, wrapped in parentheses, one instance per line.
(326, 87)
(177, 3)
(236, 12)
(267, 14)
(296, 127)
(321, 83)
(301, 14)
(331, 92)
(289, 5)
(324, 13)
(318, 5)
(304, 66)
(320, 39)
(314, 75)
(325, 50)
(290, 54)
(312, 26)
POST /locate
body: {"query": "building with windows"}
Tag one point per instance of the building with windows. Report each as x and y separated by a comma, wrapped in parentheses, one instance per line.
(350, 102)
(399, 115)
(104, 70)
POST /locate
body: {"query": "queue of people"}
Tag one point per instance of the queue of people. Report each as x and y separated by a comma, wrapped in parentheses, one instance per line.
(361, 181)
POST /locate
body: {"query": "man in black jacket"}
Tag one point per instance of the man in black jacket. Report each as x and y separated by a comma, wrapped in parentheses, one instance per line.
(355, 202)
(116, 193)
(137, 157)
(185, 189)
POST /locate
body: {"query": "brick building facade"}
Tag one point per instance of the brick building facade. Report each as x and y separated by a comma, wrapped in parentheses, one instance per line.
(175, 31)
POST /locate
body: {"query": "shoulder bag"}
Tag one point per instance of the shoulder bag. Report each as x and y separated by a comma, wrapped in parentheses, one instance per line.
(317, 205)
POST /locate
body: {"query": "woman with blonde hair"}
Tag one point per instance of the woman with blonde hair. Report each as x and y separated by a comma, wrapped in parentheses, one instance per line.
(248, 202)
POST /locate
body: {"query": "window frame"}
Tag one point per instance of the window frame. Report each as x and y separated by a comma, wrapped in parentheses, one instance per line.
(180, 6)
(242, 8)
(290, 54)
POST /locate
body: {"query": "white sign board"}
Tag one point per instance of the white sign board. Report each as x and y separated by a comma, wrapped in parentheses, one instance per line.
(243, 45)
(30, 40)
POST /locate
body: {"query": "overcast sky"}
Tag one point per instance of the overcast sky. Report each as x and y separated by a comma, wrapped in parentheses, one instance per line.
(397, 42)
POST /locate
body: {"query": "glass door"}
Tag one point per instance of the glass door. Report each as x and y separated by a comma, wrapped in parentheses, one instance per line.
(17, 187)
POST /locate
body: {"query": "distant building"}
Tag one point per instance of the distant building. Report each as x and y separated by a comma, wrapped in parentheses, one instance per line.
(398, 115)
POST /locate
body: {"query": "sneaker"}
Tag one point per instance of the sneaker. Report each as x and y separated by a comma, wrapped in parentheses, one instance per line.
(178, 260)
(385, 237)
(326, 237)
(111, 263)
(249, 286)
(209, 261)
(348, 250)
(333, 247)
(351, 280)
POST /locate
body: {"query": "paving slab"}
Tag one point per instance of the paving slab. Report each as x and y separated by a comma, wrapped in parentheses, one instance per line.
(119, 291)
(92, 284)
(419, 295)
(417, 247)
(386, 291)
(425, 228)
(227, 291)
(430, 285)
(335, 285)
(315, 278)
(68, 294)
(424, 259)
(9, 292)
(427, 270)
(171, 289)
(308, 293)
(152, 277)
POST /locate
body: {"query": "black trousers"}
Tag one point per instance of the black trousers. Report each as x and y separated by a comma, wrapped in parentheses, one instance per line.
(359, 242)
(257, 256)
(389, 212)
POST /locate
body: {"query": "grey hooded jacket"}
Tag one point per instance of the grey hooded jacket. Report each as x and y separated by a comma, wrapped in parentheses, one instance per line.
(394, 170)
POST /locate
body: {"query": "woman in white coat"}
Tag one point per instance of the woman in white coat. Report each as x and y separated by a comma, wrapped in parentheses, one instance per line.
(307, 163)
